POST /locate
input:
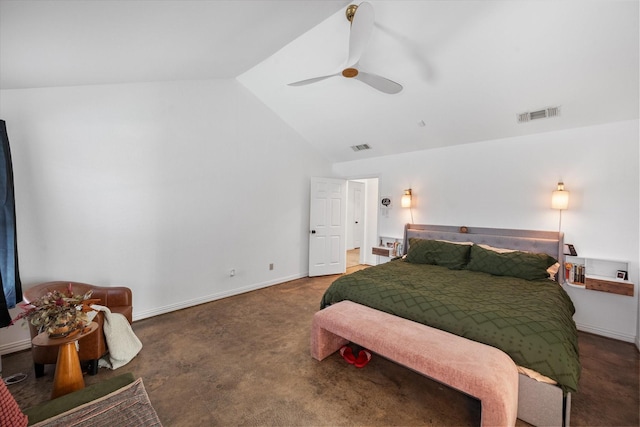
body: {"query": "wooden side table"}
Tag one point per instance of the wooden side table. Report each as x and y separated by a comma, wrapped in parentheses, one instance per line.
(68, 376)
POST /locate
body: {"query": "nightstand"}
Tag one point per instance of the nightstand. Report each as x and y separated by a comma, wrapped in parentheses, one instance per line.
(598, 275)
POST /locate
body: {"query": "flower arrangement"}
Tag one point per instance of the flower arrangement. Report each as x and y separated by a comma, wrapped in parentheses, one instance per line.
(58, 313)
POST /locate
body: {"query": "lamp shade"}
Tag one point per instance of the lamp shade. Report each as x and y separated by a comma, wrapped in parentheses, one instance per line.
(560, 198)
(405, 202)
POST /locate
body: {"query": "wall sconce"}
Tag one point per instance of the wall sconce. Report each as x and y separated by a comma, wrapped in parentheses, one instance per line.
(560, 201)
(405, 202)
(560, 198)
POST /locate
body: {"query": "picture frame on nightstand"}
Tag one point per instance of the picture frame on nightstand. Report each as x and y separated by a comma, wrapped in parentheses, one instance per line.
(569, 249)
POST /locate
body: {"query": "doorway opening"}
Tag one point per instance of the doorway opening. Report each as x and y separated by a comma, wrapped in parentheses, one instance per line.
(362, 221)
(353, 257)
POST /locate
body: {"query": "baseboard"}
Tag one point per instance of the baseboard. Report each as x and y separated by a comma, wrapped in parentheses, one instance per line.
(25, 344)
(213, 297)
(15, 346)
(607, 333)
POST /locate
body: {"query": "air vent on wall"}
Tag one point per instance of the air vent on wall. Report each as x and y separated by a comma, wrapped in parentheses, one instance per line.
(539, 114)
(360, 147)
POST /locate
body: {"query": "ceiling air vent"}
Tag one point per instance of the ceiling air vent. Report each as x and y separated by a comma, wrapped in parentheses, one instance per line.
(539, 114)
(360, 147)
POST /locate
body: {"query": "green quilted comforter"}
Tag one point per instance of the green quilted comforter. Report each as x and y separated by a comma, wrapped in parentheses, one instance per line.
(530, 320)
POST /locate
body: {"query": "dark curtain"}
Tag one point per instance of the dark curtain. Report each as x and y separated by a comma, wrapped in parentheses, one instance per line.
(9, 273)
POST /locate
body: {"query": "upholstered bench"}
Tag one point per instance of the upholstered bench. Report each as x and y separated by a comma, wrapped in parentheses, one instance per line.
(477, 369)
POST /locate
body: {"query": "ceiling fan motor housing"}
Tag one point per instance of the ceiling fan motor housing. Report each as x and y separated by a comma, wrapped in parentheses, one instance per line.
(349, 72)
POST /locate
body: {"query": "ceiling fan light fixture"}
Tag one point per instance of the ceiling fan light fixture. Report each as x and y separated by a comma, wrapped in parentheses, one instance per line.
(358, 37)
(349, 72)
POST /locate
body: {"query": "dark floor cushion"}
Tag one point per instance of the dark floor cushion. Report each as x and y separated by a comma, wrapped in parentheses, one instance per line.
(70, 401)
(128, 406)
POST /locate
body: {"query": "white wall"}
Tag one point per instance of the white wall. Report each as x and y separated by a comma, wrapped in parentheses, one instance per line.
(508, 183)
(161, 187)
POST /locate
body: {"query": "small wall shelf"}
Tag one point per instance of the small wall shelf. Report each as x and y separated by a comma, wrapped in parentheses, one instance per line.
(388, 247)
(598, 275)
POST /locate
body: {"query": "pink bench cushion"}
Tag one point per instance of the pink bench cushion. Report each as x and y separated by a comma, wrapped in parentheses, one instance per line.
(10, 413)
(474, 368)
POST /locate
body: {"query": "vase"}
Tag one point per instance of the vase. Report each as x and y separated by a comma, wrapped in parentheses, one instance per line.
(65, 323)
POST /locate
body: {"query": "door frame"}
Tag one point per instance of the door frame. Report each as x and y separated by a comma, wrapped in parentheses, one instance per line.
(371, 217)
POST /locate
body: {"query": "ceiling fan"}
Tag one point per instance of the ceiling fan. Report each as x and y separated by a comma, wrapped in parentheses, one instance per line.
(362, 20)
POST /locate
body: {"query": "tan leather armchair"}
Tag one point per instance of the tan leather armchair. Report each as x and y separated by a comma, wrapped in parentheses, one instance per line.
(92, 347)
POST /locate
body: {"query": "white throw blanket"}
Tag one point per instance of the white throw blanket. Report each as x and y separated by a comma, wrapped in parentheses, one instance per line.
(123, 344)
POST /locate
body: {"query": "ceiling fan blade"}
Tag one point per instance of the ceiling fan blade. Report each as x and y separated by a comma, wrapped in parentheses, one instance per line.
(361, 27)
(379, 82)
(313, 80)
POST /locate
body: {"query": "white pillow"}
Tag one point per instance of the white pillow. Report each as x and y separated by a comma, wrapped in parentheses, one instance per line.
(456, 243)
(553, 270)
(498, 250)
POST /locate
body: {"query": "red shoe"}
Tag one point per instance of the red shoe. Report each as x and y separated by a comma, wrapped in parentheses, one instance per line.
(347, 354)
(363, 358)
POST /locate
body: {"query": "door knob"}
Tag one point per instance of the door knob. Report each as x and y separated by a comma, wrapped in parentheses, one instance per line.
(313, 231)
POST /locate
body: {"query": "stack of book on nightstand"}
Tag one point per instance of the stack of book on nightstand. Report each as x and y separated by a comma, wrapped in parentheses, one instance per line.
(574, 273)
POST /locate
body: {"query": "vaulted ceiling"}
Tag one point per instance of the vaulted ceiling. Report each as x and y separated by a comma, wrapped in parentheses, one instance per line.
(468, 68)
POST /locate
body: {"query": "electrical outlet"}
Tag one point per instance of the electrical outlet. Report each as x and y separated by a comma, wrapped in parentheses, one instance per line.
(271, 266)
(232, 272)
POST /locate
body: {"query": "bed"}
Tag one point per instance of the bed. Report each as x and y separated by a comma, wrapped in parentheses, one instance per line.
(470, 282)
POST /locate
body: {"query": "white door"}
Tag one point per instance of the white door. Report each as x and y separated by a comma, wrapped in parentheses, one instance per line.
(358, 213)
(327, 245)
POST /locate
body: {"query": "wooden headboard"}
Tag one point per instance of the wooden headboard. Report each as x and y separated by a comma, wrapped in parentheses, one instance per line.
(549, 242)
